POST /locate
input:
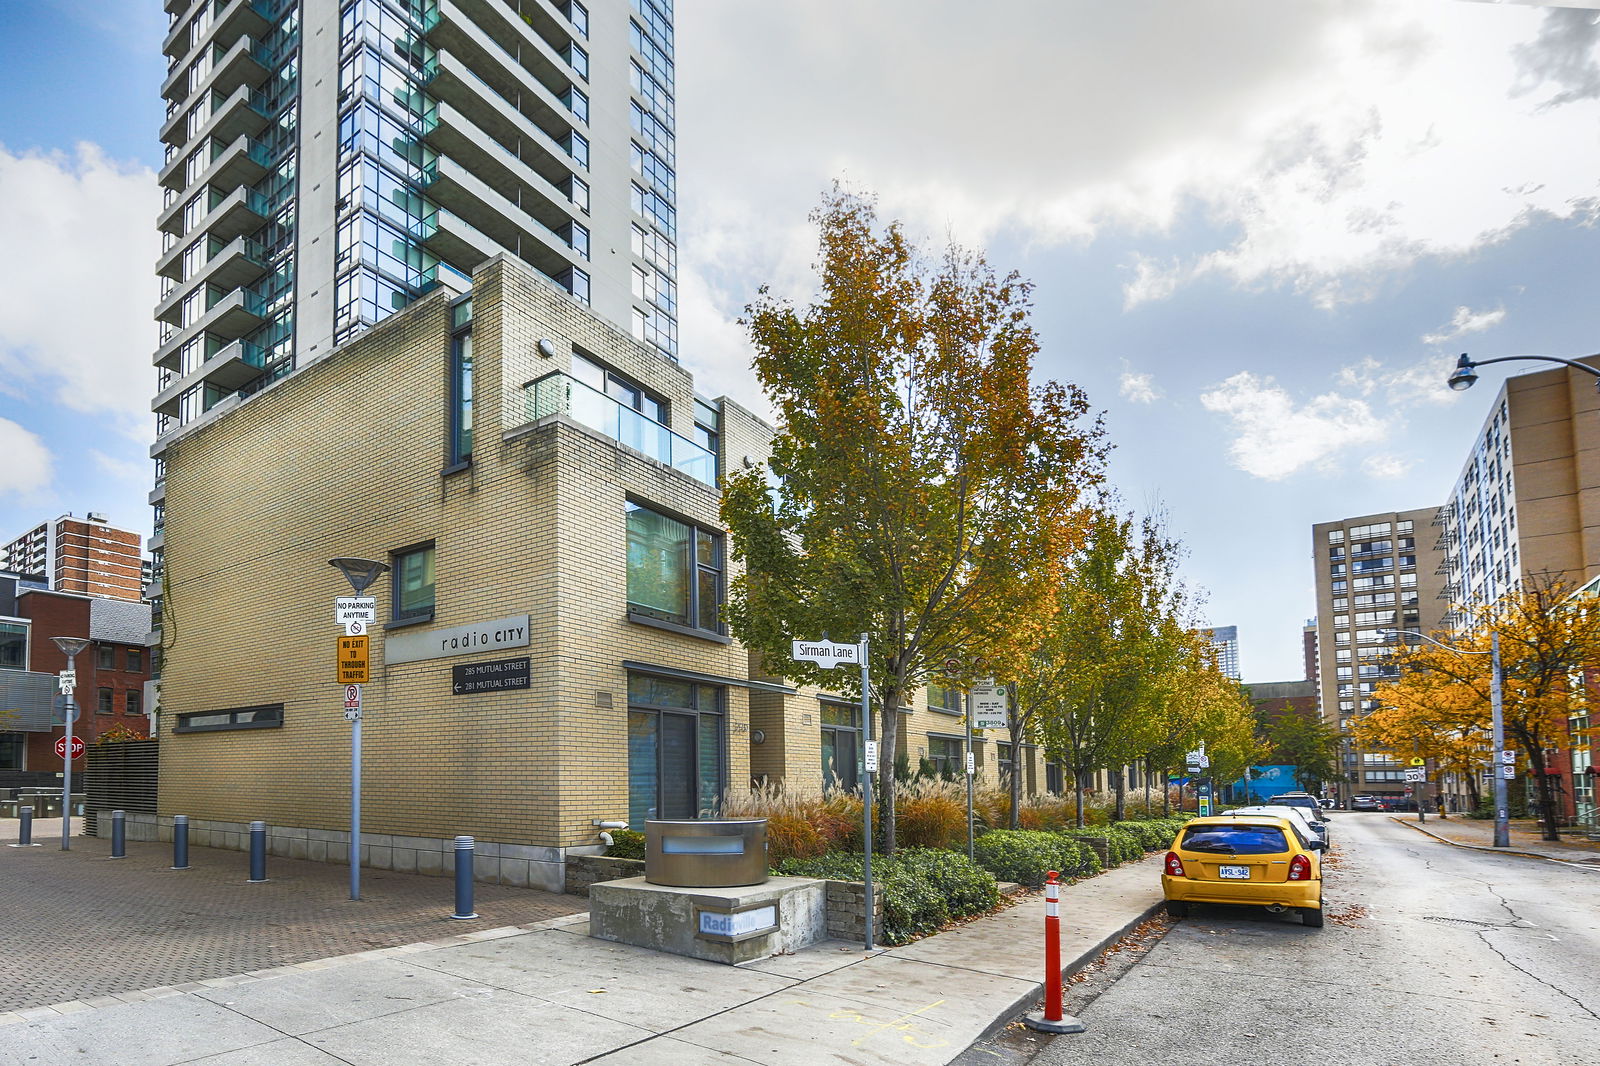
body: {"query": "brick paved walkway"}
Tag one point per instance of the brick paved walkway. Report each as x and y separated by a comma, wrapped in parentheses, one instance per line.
(79, 924)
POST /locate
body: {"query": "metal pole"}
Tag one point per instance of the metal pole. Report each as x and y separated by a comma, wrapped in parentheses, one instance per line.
(464, 852)
(180, 842)
(355, 809)
(1502, 813)
(66, 763)
(866, 787)
(970, 769)
(119, 835)
(1422, 796)
(25, 830)
(258, 852)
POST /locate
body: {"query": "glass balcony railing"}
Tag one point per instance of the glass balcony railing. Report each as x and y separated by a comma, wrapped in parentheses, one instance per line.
(559, 394)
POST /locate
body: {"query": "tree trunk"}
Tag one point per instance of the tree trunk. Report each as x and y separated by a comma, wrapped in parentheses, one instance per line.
(1474, 797)
(1015, 728)
(1166, 796)
(888, 743)
(1550, 813)
(1119, 785)
(1079, 775)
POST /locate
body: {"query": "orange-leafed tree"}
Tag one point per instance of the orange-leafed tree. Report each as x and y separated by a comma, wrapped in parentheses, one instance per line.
(1430, 714)
(1548, 638)
(922, 488)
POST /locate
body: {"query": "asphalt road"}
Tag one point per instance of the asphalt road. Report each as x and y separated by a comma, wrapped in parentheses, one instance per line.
(1431, 954)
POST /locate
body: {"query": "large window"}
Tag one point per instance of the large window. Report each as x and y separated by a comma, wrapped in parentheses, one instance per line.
(674, 570)
(841, 745)
(461, 383)
(105, 657)
(11, 745)
(675, 749)
(943, 699)
(13, 646)
(263, 716)
(135, 704)
(413, 584)
(945, 757)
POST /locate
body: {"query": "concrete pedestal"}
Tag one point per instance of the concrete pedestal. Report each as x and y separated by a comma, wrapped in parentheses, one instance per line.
(729, 925)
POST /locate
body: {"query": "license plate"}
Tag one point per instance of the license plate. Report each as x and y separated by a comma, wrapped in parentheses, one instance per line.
(1236, 873)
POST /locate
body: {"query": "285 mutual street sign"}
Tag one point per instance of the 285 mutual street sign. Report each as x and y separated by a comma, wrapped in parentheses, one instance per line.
(501, 675)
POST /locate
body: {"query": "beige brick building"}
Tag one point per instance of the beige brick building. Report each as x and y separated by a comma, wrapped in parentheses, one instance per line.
(548, 653)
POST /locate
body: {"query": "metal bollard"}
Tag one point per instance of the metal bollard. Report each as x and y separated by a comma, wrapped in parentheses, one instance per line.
(464, 852)
(258, 852)
(25, 828)
(119, 835)
(180, 842)
(1051, 1020)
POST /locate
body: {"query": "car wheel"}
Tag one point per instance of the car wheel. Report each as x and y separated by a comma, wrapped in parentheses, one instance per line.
(1311, 917)
(1177, 908)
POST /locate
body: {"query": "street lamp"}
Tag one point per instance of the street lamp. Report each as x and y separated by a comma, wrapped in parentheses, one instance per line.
(1464, 375)
(360, 573)
(70, 647)
(1502, 814)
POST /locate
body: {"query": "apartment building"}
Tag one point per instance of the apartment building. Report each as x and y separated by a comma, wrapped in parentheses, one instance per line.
(1224, 641)
(1374, 573)
(88, 556)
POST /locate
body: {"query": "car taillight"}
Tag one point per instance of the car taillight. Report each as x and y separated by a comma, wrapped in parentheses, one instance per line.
(1299, 868)
(1174, 865)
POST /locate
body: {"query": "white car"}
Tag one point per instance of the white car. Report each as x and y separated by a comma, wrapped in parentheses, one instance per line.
(1312, 829)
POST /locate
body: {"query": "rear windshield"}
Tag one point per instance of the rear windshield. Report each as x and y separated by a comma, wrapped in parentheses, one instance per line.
(1235, 839)
(1293, 801)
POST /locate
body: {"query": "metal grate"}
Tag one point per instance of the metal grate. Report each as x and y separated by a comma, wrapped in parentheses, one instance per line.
(119, 777)
(1462, 921)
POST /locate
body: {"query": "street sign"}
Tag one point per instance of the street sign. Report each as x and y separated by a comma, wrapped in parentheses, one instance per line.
(352, 697)
(352, 714)
(825, 653)
(1205, 806)
(502, 675)
(77, 747)
(1509, 756)
(971, 768)
(872, 757)
(67, 681)
(989, 705)
(1508, 772)
(1419, 762)
(347, 609)
(1416, 775)
(353, 661)
(354, 629)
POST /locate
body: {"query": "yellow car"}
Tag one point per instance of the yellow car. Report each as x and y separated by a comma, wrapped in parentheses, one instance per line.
(1255, 860)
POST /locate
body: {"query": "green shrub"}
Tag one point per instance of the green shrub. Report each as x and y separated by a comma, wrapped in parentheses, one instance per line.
(922, 889)
(1121, 845)
(1152, 834)
(626, 844)
(1026, 855)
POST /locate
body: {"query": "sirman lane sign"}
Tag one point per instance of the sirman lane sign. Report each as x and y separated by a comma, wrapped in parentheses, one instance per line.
(414, 645)
(826, 654)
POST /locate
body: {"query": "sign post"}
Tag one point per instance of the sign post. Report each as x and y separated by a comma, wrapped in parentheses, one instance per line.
(68, 747)
(826, 654)
(355, 614)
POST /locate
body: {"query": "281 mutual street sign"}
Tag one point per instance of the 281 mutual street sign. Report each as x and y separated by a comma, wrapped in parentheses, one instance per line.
(502, 675)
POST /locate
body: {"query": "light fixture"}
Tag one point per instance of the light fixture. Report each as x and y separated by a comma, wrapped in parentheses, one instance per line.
(547, 347)
(70, 646)
(359, 572)
(1463, 377)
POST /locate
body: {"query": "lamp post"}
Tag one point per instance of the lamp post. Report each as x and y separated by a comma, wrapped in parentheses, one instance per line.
(1464, 376)
(70, 647)
(1502, 813)
(360, 573)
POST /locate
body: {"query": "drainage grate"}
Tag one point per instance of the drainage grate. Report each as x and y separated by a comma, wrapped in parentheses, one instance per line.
(1462, 921)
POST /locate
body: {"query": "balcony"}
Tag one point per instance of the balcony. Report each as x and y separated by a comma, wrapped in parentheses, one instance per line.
(237, 263)
(559, 394)
(452, 133)
(457, 189)
(231, 367)
(517, 41)
(456, 242)
(451, 80)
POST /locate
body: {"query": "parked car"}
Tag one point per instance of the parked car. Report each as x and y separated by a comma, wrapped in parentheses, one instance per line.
(1366, 803)
(1255, 860)
(1304, 800)
(1309, 827)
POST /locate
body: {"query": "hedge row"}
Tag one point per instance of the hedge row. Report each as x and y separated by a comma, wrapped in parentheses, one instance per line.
(922, 888)
(1027, 855)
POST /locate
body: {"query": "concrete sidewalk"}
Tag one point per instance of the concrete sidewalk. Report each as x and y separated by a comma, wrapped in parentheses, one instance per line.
(1525, 839)
(550, 994)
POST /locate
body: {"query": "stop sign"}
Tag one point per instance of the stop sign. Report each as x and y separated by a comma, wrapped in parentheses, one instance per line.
(77, 747)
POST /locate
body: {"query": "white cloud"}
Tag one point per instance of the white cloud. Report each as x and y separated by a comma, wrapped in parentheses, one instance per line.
(1465, 321)
(1275, 438)
(1386, 466)
(79, 289)
(28, 467)
(1326, 146)
(1139, 388)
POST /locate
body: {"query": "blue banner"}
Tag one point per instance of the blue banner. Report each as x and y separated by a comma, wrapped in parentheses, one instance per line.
(1264, 782)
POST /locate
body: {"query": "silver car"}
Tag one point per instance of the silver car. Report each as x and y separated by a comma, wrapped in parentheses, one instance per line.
(1310, 828)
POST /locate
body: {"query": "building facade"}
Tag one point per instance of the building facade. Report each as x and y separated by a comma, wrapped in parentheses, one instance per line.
(87, 556)
(1374, 573)
(1224, 642)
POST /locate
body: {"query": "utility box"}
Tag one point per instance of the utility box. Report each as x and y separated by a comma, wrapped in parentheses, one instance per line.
(706, 853)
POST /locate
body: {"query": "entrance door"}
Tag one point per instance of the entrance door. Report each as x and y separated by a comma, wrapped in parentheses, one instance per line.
(679, 796)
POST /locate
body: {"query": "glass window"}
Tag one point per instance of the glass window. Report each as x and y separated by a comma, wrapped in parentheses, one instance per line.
(945, 757)
(135, 701)
(841, 746)
(413, 593)
(105, 657)
(944, 699)
(675, 749)
(103, 703)
(13, 646)
(266, 716)
(461, 391)
(136, 660)
(1238, 839)
(674, 570)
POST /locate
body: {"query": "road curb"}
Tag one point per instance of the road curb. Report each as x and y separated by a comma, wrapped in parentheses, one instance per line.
(1026, 1000)
(1492, 851)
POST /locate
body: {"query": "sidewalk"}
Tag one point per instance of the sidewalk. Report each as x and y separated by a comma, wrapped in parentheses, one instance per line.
(550, 994)
(1525, 839)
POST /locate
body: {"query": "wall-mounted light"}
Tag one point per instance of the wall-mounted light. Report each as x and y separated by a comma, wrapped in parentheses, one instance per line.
(547, 347)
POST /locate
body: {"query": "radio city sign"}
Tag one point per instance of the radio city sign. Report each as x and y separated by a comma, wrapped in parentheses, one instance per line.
(409, 646)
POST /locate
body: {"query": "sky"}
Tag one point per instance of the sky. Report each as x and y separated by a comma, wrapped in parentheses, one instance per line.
(1260, 233)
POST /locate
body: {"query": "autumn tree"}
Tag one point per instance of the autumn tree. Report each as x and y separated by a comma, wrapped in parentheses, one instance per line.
(1430, 715)
(1546, 639)
(927, 491)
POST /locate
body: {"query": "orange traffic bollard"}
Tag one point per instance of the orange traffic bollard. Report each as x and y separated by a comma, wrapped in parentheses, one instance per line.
(1051, 1019)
